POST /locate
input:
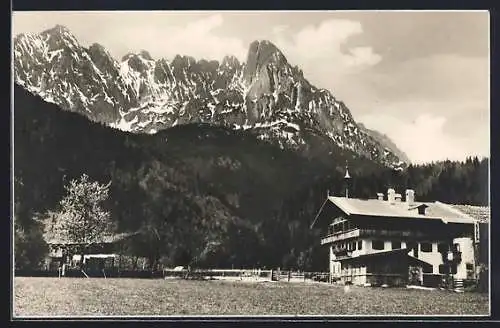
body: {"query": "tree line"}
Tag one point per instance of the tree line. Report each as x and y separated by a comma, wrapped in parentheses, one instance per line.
(202, 195)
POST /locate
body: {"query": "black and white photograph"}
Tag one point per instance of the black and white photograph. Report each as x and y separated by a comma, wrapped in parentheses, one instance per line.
(269, 164)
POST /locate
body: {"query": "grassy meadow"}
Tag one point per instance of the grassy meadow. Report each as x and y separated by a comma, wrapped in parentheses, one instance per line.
(122, 296)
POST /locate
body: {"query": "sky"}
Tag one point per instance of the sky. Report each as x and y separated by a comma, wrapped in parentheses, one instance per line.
(421, 78)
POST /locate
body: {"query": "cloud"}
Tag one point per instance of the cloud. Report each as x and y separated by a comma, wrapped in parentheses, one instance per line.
(425, 139)
(325, 43)
(278, 29)
(442, 76)
(197, 39)
(362, 56)
(432, 107)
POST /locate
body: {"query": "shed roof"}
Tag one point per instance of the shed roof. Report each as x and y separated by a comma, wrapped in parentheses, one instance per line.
(479, 213)
(112, 238)
(385, 255)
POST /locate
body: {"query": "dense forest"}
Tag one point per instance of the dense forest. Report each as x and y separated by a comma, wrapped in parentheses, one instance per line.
(196, 189)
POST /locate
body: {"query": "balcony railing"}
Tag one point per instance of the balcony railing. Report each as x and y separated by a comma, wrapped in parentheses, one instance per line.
(342, 251)
(391, 233)
(340, 236)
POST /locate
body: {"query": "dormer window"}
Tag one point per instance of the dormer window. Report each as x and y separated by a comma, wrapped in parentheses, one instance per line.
(420, 208)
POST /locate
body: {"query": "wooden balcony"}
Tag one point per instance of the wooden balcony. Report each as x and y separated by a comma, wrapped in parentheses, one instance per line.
(353, 233)
(340, 236)
(391, 233)
(342, 252)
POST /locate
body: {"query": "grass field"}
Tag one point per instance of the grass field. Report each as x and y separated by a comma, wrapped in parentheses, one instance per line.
(94, 296)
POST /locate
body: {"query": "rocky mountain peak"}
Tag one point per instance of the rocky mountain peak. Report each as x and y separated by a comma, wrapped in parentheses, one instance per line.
(57, 29)
(98, 52)
(138, 63)
(261, 55)
(59, 36)
(183, 61)
(140, 94)
(96, 47)
(127, 56)
(230, 61)
(145, 54)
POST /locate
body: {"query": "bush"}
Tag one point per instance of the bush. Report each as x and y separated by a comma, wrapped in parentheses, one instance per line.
(30, 249)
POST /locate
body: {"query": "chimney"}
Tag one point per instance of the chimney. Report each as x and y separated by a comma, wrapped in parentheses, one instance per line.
(397, 198)
(380, 196)
(410, 197)
(391, 195)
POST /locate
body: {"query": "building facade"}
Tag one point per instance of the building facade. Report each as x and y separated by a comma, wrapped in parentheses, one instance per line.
(103, 254)
(395, 242)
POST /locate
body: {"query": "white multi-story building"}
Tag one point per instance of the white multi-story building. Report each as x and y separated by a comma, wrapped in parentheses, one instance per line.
(397, 242)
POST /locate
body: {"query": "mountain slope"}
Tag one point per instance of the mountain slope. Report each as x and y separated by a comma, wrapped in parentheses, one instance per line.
(266, 95)
(54, 65)
(200, 185)
(386, 142)
(208, 183)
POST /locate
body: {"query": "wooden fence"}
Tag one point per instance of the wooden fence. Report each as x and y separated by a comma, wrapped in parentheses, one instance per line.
(219, 274)
(246, 274)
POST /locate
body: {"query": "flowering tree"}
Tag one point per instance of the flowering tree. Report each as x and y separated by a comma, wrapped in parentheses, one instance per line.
(82, 219)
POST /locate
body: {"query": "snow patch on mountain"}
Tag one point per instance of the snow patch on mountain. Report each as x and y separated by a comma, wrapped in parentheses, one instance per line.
(142, 95)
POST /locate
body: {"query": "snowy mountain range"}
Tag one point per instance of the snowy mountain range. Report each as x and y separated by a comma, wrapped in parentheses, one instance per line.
(265, 95)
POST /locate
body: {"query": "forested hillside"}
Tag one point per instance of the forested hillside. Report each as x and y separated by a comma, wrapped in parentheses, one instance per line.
(197, 189)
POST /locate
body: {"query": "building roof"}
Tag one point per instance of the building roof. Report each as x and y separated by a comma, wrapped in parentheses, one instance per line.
(479, 213)
(395, 252)
(53, 240)
(383, 208)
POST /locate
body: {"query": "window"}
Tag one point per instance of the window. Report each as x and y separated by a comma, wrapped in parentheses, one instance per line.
(445, 269)
(456, 247)
(413, 245)
(396, 245)
(426, 247)
(469, 266)
(443, 248)
(427, 269)
(360, 245)
(377, 244)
